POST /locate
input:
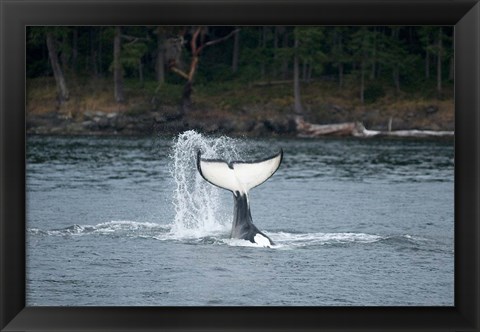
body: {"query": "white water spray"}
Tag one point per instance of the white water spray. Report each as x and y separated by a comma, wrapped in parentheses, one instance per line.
(200, 208)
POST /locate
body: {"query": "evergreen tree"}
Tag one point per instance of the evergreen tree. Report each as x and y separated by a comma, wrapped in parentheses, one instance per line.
(51, 35)
(338, 55)
(361, 50)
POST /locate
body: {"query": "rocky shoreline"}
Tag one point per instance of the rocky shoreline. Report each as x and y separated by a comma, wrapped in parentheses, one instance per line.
(169, 121)
(102, 123)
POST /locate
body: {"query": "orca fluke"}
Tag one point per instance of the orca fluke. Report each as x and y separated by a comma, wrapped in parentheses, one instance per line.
(239, 177)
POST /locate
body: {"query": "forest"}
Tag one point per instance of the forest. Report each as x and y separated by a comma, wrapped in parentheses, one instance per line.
(253, 80)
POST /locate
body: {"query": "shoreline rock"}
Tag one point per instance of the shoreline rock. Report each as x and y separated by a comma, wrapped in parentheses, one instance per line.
(172, 122)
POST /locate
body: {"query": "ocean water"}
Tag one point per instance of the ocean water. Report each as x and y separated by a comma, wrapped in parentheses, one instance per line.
(115, 221)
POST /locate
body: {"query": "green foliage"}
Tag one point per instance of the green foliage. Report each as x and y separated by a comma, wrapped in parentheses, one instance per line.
(131, 55)
(215, 73)
(311, 42)
(393, 51)
(363, 45)
(338, 41)
(166, 94)
(265, 54)
(374, 91)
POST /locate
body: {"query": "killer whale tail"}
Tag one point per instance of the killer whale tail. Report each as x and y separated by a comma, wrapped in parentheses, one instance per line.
(238, 176)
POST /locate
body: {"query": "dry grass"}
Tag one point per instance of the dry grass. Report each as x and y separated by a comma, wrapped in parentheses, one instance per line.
(233, 99)
(93, 96)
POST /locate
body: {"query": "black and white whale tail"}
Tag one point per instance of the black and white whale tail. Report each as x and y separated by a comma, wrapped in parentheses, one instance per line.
(239, 177)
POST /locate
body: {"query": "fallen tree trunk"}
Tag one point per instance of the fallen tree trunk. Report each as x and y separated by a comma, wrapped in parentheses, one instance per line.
(361, 131)
(357, 129)
(307, 129)
(418, 133)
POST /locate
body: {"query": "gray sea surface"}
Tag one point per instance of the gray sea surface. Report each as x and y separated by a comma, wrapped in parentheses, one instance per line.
(117, 221)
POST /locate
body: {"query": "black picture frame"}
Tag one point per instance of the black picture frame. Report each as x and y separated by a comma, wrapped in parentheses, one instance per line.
(16, 15)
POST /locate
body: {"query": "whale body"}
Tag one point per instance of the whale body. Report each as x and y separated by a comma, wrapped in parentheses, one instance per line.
(239, 177)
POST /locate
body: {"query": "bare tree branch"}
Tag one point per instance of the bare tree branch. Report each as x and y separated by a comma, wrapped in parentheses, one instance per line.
(216, 41)
(193, 42)
(196, 50)
(179, 72)
(133, 39)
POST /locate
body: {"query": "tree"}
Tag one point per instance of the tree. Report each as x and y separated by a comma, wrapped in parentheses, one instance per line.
(93, 51)
(236, 51)
(374, 53)
(160, 57)
(296, 75)
(426, 36)
(284, 32)
(133, 51)
(450, 54)
(439, 59)
(310, 49)
(434, 40)
(338, 53)
(197, 45)
(117, 67)
(372, 56)
(75, 50)
(262, 45)
(306, 47)
(62, 90)
(395, 55)
(361, 47)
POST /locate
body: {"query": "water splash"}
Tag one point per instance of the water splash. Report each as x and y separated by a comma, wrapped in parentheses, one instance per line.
(121, 228)
(200, 208)
(283, 240)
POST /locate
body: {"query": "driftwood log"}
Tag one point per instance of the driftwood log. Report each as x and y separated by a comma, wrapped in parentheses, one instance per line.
(357, 129)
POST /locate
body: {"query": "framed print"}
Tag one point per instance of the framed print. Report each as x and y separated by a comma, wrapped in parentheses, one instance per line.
(128, 126)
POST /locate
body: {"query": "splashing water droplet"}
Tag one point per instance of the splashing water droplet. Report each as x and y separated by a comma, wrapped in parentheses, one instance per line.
(199, 206)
